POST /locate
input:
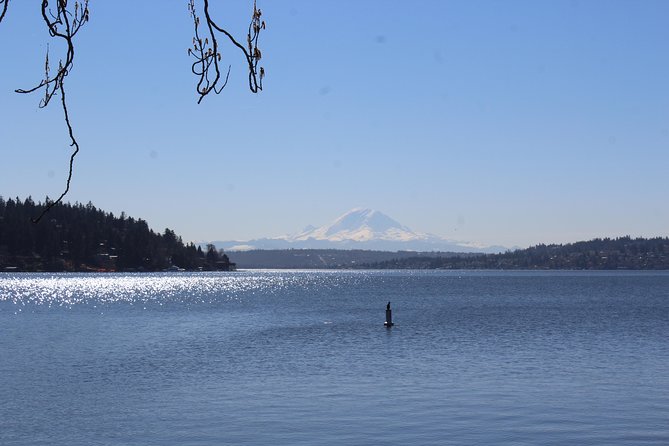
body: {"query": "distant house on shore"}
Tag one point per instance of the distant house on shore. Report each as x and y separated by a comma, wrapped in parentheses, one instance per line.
(224, 264)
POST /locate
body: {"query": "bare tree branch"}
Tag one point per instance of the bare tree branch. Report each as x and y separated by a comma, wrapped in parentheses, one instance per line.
(207, 56)
(3, 11)
(64, 24)
(75, 144)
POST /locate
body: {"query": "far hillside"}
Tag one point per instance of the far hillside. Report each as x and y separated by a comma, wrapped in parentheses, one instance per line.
(597, 254)
(325, 258)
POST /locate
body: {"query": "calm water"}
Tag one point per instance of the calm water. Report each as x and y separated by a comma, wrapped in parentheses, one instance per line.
(302, 358)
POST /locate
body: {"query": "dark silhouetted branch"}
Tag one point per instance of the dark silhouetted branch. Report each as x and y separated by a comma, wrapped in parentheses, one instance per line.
(64, 24)
(3, 9)
(207, 55)
(75, 144)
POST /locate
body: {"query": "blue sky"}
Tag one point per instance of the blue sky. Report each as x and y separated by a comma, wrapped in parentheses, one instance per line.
(499, 122)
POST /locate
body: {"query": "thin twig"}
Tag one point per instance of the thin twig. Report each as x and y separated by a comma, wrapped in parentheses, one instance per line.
(75, 144)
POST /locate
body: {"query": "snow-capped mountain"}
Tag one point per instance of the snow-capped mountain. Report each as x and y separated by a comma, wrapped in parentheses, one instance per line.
(359, 229)
(359, 225)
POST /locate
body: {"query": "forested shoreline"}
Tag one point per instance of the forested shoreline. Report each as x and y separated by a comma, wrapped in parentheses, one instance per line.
(597, 254)
(78, 237)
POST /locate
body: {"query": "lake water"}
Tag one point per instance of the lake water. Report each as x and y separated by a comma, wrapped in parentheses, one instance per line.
(303, 358)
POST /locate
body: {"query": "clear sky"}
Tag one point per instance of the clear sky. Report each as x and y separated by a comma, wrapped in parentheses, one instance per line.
(499, 122)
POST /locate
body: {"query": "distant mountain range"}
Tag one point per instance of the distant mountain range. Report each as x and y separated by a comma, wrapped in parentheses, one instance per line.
(360, 228)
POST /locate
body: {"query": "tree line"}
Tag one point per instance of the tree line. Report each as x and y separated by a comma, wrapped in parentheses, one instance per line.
(597, 254)
(78, 237)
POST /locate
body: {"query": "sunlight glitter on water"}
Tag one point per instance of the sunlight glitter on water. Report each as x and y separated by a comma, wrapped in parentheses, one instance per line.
(68, 290)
